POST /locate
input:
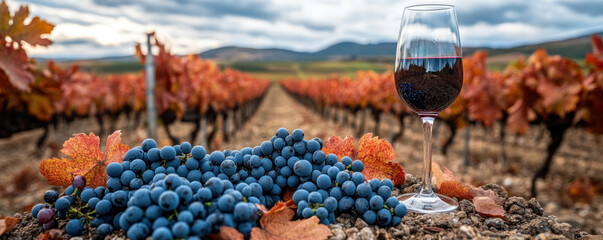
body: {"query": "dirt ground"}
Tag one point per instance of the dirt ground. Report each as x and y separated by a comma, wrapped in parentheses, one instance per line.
(580, 157)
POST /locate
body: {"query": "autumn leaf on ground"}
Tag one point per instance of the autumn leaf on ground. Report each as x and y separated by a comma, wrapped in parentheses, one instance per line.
(376, 154)
(52, 234)
(277, 224)
(227, 233)
(479, 192)
(87, 160)
(486, 207)
(7, 224)
(448, 184)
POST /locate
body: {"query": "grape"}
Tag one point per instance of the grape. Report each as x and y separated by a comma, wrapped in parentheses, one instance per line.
(282, 133)
(358, 178)
(162, 233)
(147, 176)
(216, 158)
(133, 214)
(266, 183)
(302, 168)
(385, 192)
(185, 216)
(278, 144)
(348, 188)
(297, 135)
(287, 152)
(138, 166)
(370, 217)
(300, 147)
(300, 195)
(345, 204)
(86, 195)
(357, 166)
(186, 147)
(168, 200)
(384, 217)
(138, 231)
(313, 146)
(388, 183)
(35, 209)
(103, 207)
(226, 203)
(309, 186)
(104, 230)
(375, 184)
(396, 220)
(228, 167)
(322, 213)
(266, 164)
(134, 153)
(62, 204)
(347, 161)
(318, 156)
(266, 148)
(126, 177)
(51, 196)
(49, 225)
(119, 198)
(45, 215)
(78, 182)
(148, 143)
(167, 153)
(323, 181)
(154, 154)
(400, 210)
(392, 202)
(307, 212)
(198, 152)
(314, 197)
(336, 193)
(363, 189)
(341, 177)
(330, 204)
(74, 227)
(361, 205)
(376, 202)
(255, 161)
(180, 230)
(256, 189)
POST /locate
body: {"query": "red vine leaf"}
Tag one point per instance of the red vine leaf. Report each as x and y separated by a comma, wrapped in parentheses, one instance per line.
(340, 147)
(87, 160)
(227, 233)
(486, 207)
(448, 184)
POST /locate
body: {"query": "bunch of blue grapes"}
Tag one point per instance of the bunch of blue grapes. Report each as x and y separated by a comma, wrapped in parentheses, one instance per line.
(341, 187)
(183, 191)
(77, 204)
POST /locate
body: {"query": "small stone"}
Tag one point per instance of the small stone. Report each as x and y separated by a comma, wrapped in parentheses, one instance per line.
(77, 238)
(338, 234)
(461, 214)
(561, 228)
(383, 235)
(500, 191)
(514, 209)
(401, 231)
(351, 232)
(337, 225)
(360, 224)
(519, 201)
(467, 206)
(535, 206)
(410, 179)
(366, 234)
(18, 215)
(495, 223)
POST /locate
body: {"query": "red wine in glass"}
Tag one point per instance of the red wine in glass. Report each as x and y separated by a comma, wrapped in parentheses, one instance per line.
(428, 85)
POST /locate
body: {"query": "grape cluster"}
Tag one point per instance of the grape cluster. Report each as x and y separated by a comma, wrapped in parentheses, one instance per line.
(341, 187)
(183, 191)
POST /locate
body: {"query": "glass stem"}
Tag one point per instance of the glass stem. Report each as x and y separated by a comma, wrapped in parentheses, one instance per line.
(427, 132)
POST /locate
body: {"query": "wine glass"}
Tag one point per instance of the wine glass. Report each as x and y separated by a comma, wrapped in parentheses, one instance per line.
(428, 77)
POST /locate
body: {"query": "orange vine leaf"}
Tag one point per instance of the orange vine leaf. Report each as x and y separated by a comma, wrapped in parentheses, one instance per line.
(376, 154)
(340, 147)
(277, 224)
(7, 224)
(86, 160)
(448, 184)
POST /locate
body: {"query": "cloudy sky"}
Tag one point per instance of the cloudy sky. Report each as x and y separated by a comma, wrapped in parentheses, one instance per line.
(98, 28)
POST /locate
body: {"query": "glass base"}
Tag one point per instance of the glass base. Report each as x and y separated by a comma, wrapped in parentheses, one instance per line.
(428, 203)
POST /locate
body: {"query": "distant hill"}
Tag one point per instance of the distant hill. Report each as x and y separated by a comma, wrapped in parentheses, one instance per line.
(571, 48)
